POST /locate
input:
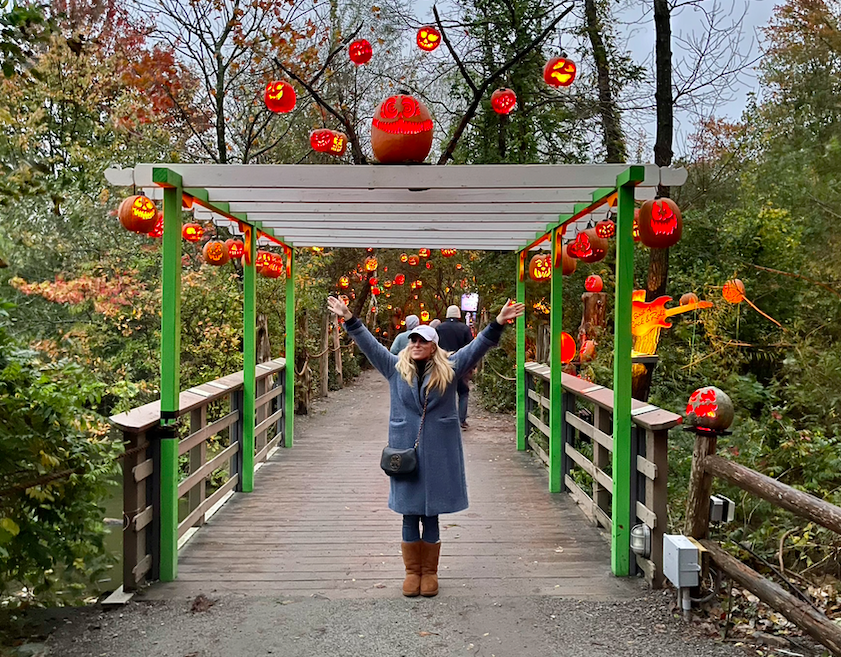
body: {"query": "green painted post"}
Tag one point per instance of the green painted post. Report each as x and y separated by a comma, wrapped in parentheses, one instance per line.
(521, 355)
(556, 444)
(622, 341)
(290, 348)
(170, 377)
(249, 360)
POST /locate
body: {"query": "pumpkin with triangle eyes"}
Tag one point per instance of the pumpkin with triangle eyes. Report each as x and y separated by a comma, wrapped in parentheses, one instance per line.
(331, 142)
(280, 97)
(559, 72)
(660, 223)
(588, 246)
(429, 38)
(138, 214)
(540, 267)
(401, 130)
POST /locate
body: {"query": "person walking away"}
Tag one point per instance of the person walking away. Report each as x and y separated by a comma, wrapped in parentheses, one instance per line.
(435, 323)
(422, 383)
(453, 334)
(402, 339)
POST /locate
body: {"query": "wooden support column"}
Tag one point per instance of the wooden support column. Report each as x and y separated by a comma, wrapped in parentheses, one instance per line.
(198, 456)
(289, 413)
(324, 361)
(522, 393)
(249, 360)
(657, 496)
(556, 411)
(137, 511)
(700, 486)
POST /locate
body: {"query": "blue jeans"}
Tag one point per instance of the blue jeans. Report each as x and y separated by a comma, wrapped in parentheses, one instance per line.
(411, 529)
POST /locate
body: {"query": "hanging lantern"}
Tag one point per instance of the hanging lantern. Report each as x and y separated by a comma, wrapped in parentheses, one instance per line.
(660, 223)
(424, 316)
(733, 291)
(192, 232)
(401, 130)
(568, 263)
(424, 253)
(138, 214)
(403, 257)
(593, 283)
(540, 267)
(371, 264)
(344, 282)
(413, 260)
(216, 253)
(399, 279)
(503, 101)
(360, 52)
(429, 38)
(588, 246)
(235, 248)
(448, 253)
(606, 229)
(559, 72)
(568, 348)
(280, 97)
(158, 230)
(331, 142)
(710, 409)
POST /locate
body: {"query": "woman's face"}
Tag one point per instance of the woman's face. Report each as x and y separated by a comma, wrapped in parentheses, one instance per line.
(420, 349)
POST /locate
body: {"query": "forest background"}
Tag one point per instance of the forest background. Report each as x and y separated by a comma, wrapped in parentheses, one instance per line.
(89, 84)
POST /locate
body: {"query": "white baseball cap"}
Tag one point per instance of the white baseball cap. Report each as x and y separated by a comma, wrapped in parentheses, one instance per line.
(426, 332)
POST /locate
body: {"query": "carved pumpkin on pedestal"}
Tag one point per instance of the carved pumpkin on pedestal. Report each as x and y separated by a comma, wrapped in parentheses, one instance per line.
(710, 408)
(540, 267)
(138, 214)
(660, 223)
(429, 38)
(593, 283)
(559, 72)
(401, 130)
(216, 253)
(503, 101)
(360, 52)
(280, 97)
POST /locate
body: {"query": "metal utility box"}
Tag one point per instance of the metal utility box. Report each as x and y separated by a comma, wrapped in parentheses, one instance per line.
(722, 509)
(680, 560)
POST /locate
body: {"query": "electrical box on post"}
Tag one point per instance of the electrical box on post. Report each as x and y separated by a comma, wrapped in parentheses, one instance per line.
(722, 509)
(681, 561)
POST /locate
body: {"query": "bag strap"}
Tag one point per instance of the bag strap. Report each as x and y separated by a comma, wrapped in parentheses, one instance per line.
(423, 417)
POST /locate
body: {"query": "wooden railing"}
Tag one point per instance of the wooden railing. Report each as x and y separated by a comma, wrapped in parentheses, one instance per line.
(221, 400)
(587, 429)
(706, 464)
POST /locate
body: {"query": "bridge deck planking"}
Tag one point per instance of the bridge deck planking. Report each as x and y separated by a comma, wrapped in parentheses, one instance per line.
(317, 523)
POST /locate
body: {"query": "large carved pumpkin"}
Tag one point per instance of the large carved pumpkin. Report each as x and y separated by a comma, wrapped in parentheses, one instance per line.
(588, 246)
(540, 267)
(280, 97)
(559, 72)
(216, 253)
(568, 263)
(709, 408)
(429, 38)
(660, 223)
(401, 130)
(138, 214)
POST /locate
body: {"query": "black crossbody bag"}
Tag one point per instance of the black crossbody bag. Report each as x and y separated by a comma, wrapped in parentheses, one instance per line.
(398, 462)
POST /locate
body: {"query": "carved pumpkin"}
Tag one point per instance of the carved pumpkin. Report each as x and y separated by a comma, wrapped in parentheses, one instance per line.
(635, 229)
(660, 223)
(216, 253)
(424, 253)
(588, 246)
(399, 279)
(401, 130)
(375, 291)
(387, 285)
(568, 348)
(606, 229)
(344, 282)
(424, 316)
(413, 260)
(371, 264)
(280, 97)
(235, 248)
(192, 232)
(158, 230)
(429, 264)
(263, 260)
(568, 263)
(360, 52)
(733, 291)
(448, 253)
(559, 72)
(418, 283)
(709, 408)
(593, 283)
(331, 142)
(503, 101)
(429, 38)
(138, 214)
(540, 267)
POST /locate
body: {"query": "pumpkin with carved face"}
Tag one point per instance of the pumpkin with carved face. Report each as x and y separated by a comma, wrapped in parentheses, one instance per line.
(424, 253)
(371, 264)
(503, 101)
(216, 253)
(236, 248)
(192, 232)
(448, 253)
(660, 223)
(414, 260)
(360, 52)
(331, 142)
(158, 230)
(344, 282)
(138, 214)
(588, 246)
(429, 38)
(606, 229)
(559, 72)
(280, 97)
(710, 409)
(593, 283)
(401, 130)
(540, 267)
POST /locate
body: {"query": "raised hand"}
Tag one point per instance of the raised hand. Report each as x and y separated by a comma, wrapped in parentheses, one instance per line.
(510, 311)
(337, 306)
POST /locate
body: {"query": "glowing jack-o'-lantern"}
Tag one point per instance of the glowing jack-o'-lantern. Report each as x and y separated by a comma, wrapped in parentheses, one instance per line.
(403, 257)
(192, 232)
(235, 248)
(635, 229)
(568, 348)
(540, 267)
(138, 214)
(660, 223)
(429, 264)
(280, 97)
(387, 285)
(344, 282)
(375, 291)
(424, 316)
(423, 253)
(448, 253)
(429, 38)
(263, 260)
(559, 72)
(733, 291)
(414, 260)
(373, 281)
(158, 230)
(401, 130)
(216, 253)
(399, 279)
(593, 283)
(503, 101)
(331, 142)
(606, 229)
(418, 283)
(370, 264)
(360, 52)
(588, 246)
(709, 409)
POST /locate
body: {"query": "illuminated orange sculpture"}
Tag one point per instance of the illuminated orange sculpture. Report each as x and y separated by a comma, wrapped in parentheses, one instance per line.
(606, 229)
(503, 101)
(375, 291)
(280, 97)
(216, 253)
(424, 316)
(418, 283)
(263, 260)
(399, 279)
(344, 282)
(448, 253)
(559, 72)
(401, 130)
(331, 142)
(360, 52)
(660, 223)
(370, 264)
(424, 253)
(647, 316)
(710, 409)
(235, 248)
(403, 257)
(540, 267)
(192, 232)
(413, 260)
(429, 38)
(138, 214)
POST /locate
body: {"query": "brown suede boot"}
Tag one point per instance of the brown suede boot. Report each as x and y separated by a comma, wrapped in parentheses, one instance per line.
(430, 552)
(412, 561)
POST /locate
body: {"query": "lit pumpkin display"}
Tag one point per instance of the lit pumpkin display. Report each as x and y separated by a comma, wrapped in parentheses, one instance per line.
(710, 409)
(635, 229)
(236, 249)
(503, 101)
(192, 232)
(375, 291)
(371, 264)
(424, 253)
(559, 72)
(540, 267)
(263, 260)
(688, 298)
(593, 283)
(331, 142)
(568, 347)
(403, 257)
(429, 264)
(399, 279)
(588, 246)
(429, 38)
(459, 266)
(568, 263)
(360, 52)
(373, 281)
(424, 316)
(448, 253)
(606, 229)
(401, 130)
(733, 291)
(387, 285)
(216, 253)
(138, 214)
(413, 260)
(280, 97)
(158, 230)
(660, 223)
(418, 284)
(344, 282)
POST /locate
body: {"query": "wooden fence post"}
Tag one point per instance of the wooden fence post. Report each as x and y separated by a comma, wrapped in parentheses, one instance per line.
(198, 456)
(700, 485)
(656, 497)
(136, 520)
(237, 435)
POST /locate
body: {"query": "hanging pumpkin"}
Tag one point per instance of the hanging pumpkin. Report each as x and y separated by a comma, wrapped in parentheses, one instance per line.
(403, 257)
(280, 97)
(331, 142)
(660, 223)
(375, 291)
(635, 229)
(593, 283)
(215, 253)
(540, 267)
(360, 52)
(606, 229)
(158, 230)
(344, 282)
(399, 279)
(423, 253)
(559, 72)
(373, 281)
(263, 260)
(387, 285)
(710, 408)
(588, 246)
(418, 283)
(138, 214)
(503, 101)
(401, 130)
(371, 264)
(568, 348)
(568, 263)
(235, 248)
(413, 260)
(429, 38)
(429, 264)
(192, 232)
(448, 253)
(733, 291)
(424, 316)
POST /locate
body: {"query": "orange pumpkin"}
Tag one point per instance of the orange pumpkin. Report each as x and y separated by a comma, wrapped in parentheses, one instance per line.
(192, 232)
(429, 38)
(660, 223)
(588, 246)
(448, 253)
(413, 260)
(331, 142)
(280, 97)
(138, 214)
(158, 230)
(235, 248)
(424, 253)
(360, 52)
(559, 72)
(540, 267)
(344, 282)
(371, 264)
(593, 283)
(568, 263)
(401, 130)
(216, 253)
(568, 347)
(606, 229)
(503, 101)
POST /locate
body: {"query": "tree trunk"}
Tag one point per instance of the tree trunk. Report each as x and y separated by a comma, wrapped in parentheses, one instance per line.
(221, 144)
(264, 349)
(593, 319)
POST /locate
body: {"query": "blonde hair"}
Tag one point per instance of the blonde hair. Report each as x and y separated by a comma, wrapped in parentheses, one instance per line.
(442, 374)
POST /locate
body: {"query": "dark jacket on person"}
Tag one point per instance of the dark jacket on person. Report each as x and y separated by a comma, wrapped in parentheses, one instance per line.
(453, 334)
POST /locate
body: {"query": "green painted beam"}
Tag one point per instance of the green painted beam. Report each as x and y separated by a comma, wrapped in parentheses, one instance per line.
(249, 361)
(289, 412)
(165, 177)
(601, 194)
(522, 419)
(556, 443)
(633, 175)
(198, 193)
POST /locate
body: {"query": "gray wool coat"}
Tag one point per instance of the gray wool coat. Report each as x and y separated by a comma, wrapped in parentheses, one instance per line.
(438, 485)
